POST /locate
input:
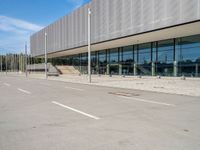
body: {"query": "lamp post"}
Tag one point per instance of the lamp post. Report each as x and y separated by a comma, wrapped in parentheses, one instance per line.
(6, 64)
(89, 45)
(1, 63)
(45, 51)
(26, 59)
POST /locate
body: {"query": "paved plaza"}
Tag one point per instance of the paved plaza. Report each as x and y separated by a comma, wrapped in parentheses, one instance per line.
(172, 85)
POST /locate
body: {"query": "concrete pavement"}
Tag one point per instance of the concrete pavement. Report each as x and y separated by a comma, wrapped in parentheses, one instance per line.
(38, 114)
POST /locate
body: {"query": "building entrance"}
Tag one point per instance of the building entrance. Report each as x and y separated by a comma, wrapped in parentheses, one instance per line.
(114, 69)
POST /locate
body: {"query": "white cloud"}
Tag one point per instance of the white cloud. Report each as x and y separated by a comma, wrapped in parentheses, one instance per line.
(14, 32)
(11, 24)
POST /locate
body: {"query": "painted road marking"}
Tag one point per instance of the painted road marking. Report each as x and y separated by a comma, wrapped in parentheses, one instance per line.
(147, 101)
(74, 88)
(24, 91)
(75, 110)
(6, 84)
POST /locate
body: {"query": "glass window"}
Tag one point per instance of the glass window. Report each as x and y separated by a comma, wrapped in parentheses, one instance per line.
(114, 56)
(102, 62)
(127, 60)
(76, 60)
(84, 59)
(165, 58)
(114, 61)
(189, 49)
(102, 57)
(188, 55)
(84, 63)
(144, 53)
(166, 51)
(94, 66)
(93, 59)
(127, 55)
(154, 52)
(156, 58)
(144, 59)
(136, 54)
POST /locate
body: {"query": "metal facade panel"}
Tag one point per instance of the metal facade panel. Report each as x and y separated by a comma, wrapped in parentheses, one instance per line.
(128, 17)
(66, 33)
(114, 19)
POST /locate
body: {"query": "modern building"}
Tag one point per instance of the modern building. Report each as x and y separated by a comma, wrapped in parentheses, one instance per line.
(128, 37)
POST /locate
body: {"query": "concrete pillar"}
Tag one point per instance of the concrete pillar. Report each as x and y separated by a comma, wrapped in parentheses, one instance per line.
(153, 68)
(197, 70)
(120, 69)
(107, 69)
(135, 69)
(175, 68)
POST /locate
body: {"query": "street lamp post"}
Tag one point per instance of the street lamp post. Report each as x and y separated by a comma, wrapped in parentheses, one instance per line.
(1, 63)
(6, 64)
(26, 59)
(45, 51)
(89, 45)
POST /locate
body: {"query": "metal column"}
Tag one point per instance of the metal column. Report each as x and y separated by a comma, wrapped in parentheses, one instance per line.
(89, 46)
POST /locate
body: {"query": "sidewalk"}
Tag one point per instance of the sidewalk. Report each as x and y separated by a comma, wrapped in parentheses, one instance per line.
(190, 86)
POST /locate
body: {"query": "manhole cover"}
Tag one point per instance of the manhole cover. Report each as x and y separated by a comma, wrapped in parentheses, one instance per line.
(124, 94)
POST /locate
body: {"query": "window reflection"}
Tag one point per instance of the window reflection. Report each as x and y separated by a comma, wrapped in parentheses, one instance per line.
(156, 58)
(165, 53)
(102, 62)
(188, 55)
(144, 59)
(127, 60)
(114, 57)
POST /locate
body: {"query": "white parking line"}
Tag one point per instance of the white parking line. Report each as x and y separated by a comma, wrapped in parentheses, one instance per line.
(147, 101)
(74, 88)
(78, 111)
(24, 91)
(6, 84)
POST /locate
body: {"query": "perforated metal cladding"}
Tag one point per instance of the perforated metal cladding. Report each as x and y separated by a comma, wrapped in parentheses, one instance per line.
(128, 17)
(66, 33)
(114, 19)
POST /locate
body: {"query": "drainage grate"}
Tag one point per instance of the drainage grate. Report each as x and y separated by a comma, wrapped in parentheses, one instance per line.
(124, 94)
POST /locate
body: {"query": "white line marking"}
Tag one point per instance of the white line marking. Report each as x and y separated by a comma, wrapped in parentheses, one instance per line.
(74, 88)
(70, 108)
(6, 84)
(24, 91)
(147, 101)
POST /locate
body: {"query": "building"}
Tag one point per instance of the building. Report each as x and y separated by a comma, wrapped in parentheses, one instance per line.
(128, 37)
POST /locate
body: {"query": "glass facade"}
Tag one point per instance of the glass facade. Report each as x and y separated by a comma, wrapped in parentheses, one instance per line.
(144, 59)
(188, 56)
(165, 58)
(173, 57)
(127, 60)
(113, 55)
(102, 62)
(94, 63)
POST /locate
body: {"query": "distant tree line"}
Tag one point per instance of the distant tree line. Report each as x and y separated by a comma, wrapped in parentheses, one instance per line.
(17, 62)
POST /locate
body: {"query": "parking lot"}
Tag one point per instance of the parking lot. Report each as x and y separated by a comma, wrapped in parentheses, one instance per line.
(37, 114)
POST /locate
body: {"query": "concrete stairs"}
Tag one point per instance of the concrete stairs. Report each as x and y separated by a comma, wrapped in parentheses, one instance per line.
(67, 70)
(145, 71)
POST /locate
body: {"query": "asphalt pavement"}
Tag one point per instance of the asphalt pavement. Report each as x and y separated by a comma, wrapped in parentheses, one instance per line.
(37, 114)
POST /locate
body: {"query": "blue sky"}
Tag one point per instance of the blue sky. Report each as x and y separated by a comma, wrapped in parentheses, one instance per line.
(21, 18)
